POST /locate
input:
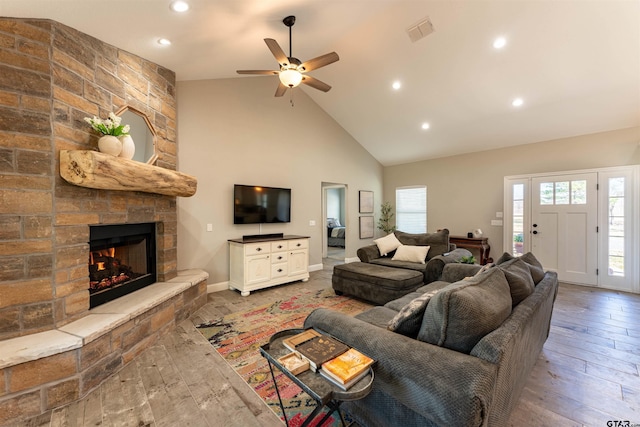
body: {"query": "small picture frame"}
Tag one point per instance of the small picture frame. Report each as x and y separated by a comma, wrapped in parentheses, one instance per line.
(366, 227)
(366, 201)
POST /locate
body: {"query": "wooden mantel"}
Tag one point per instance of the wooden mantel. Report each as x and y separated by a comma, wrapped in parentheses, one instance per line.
(93, 169)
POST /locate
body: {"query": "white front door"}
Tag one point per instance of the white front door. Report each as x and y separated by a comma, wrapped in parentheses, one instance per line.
(564, 224)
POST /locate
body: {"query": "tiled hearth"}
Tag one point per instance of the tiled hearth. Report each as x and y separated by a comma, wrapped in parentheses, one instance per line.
(53, 348)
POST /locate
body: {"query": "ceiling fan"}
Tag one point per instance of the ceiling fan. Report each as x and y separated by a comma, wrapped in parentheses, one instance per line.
(292, 71)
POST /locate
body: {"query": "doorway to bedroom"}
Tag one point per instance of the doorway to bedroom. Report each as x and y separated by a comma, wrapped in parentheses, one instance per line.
(334, 208)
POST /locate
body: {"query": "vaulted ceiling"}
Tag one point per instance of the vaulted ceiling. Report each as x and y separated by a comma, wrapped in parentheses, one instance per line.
(575, 64)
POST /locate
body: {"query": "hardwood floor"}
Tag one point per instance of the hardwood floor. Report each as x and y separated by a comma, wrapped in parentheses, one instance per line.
(587, 373)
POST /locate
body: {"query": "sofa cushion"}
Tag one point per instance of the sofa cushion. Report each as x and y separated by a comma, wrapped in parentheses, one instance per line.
(411, 253)
(536, 269)
(388, 243)
(438, 241)
(379, 316)
(519, 278)
(504, 258)
(398, 303)
(461, 314)
(389, 262)
(409, 318)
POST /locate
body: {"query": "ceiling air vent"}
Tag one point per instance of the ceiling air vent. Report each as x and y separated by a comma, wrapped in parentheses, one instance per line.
(420, 30)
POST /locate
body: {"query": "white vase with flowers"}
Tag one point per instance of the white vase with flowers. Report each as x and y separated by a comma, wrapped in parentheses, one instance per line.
(111, 130)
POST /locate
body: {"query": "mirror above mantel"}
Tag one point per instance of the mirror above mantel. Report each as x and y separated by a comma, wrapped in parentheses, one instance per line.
(142, 132)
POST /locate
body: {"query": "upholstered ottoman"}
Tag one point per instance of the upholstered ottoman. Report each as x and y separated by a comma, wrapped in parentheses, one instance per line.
(375, 283)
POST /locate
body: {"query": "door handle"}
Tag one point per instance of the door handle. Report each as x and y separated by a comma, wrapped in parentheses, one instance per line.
(535, 231)
(535, 225)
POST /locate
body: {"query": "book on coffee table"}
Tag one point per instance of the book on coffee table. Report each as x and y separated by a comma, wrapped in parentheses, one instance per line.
(292, 342)
(320, 349)
(343, 385)
(348, 366)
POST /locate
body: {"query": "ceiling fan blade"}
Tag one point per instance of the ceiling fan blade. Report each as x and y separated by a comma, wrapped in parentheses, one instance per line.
(277, 51)
(320, 61)
(281, 89)
(262, 72)
(315, 83)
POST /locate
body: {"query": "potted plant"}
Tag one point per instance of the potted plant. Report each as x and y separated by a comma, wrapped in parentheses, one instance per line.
(518, 243)
(468, 260)
(386, 216)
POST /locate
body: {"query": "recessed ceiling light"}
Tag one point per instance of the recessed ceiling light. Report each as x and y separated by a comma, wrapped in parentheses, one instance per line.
(499, 43)
(517, 102)
(396, 85)
(164, 42)
(179, 6)
(425, 126)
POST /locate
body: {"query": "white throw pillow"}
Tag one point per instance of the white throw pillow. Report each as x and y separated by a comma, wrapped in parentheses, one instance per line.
(411, 253)
(387, 244)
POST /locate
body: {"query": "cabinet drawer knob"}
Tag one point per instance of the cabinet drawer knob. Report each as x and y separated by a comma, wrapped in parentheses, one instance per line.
(299, 244)
(258, 249)
(279, 257)
(279, 270)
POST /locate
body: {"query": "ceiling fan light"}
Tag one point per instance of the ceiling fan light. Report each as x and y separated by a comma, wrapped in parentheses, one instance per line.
(290, 78)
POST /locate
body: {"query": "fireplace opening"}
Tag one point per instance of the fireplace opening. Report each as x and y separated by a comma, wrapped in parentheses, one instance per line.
(122, 259)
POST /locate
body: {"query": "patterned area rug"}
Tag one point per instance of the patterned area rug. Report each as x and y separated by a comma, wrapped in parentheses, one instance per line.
(238, 337)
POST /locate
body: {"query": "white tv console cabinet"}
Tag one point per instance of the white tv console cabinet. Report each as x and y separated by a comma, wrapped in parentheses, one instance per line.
(257, 263)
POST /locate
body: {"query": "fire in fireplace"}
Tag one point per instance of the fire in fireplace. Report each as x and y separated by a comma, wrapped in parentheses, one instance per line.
(122, 259)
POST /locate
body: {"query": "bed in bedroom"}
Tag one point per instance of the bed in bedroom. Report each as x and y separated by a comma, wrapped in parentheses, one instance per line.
(335, 233)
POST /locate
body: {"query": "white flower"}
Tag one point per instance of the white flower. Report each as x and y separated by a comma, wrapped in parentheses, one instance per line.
(110, 126)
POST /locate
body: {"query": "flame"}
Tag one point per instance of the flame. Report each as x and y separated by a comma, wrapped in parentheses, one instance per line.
(110, 252)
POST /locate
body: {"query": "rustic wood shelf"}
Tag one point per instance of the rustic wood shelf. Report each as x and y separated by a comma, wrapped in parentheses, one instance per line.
(93, 169)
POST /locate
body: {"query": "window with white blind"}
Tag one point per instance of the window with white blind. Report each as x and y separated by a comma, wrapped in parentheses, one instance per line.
(411, 209)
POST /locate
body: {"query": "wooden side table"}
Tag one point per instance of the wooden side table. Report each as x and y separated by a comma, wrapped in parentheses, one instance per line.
(478, 243)
(315, 385)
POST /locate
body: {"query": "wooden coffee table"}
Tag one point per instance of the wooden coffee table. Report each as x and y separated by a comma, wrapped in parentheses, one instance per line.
(324, 392)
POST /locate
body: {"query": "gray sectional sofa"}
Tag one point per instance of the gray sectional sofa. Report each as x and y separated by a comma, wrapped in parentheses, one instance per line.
(441, 252)
(380, 277)
(461, 348)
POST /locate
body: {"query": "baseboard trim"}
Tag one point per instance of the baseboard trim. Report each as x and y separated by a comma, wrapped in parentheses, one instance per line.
(315, 267)
(217, 287)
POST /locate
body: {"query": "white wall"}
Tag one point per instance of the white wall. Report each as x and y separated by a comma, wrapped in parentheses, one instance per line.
(234, 131)
(464, 192)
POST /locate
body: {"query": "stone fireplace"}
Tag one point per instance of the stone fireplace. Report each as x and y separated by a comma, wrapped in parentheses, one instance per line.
(56, 344)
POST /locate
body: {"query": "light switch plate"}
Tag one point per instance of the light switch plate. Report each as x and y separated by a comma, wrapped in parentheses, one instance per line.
(496, 222)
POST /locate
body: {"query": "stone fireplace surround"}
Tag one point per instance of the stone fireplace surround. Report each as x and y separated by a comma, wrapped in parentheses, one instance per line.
(53, 349)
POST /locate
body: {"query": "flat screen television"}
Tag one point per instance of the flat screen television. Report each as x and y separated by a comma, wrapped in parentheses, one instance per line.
(254, 204)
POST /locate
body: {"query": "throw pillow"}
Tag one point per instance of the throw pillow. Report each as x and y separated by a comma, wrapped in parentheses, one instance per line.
(536, 269)
(388, 243)
(519, 278)
(411, 253)
(461, 314)
(331, 222)
(504, 258)
(438, 241)
(409, 318)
